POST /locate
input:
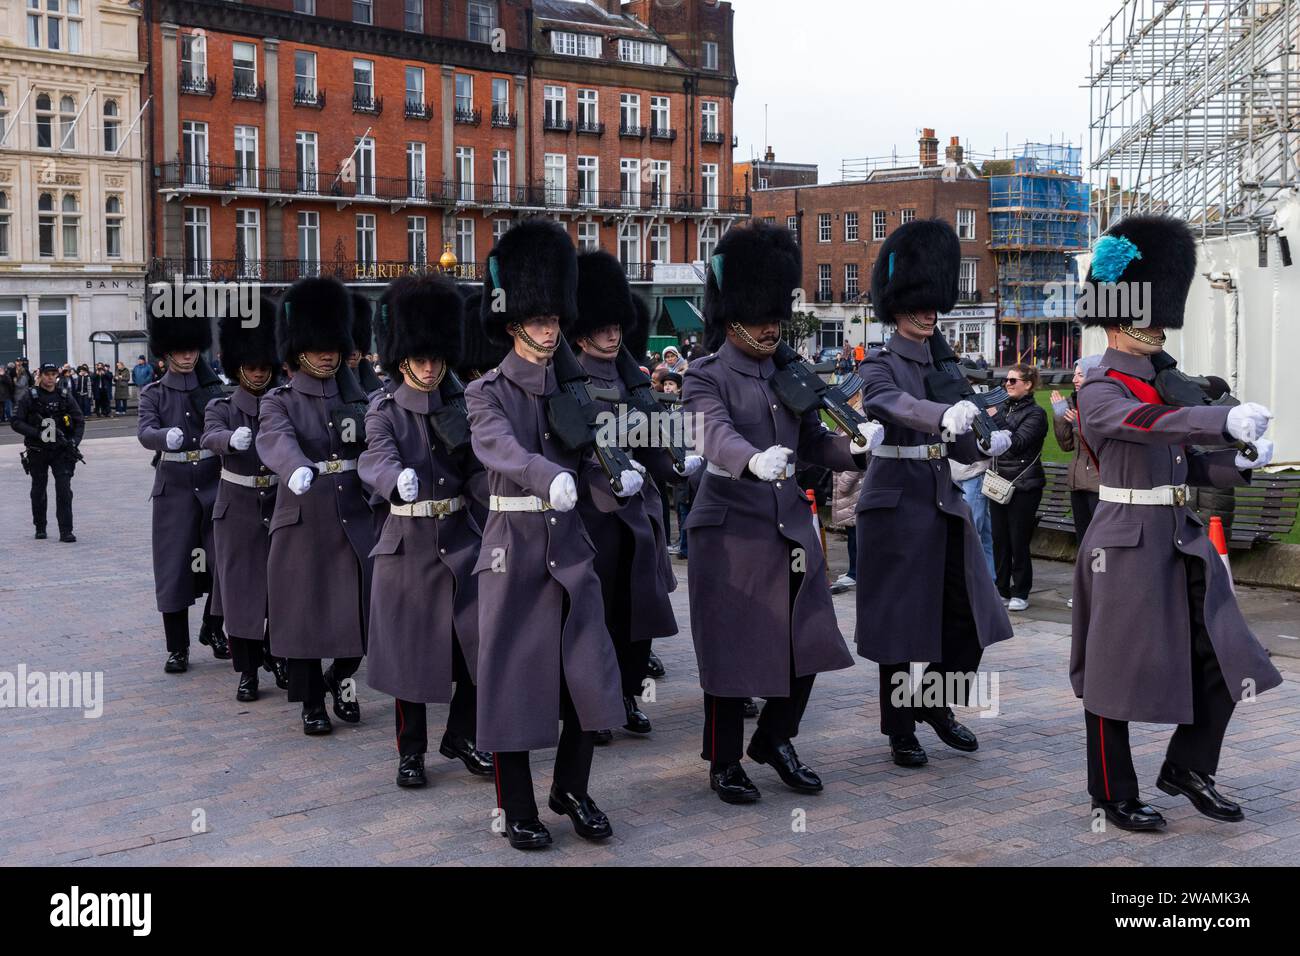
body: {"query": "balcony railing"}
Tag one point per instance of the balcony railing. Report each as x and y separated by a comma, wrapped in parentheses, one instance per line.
(631, 132)
(503, 120)
(556, 125)
(469, 117)
(197, 84)
(309, 97)
(968, 297)
(711, 137)
(418, 110)
(246, 89)
(290, 270)
(367, 103)
(663, 132)
(824, 295)
(591, 129)
(639, 271)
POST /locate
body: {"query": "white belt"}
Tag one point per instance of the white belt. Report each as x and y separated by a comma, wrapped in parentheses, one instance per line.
(199, 455)
(1174, 495)
(334, 466)
(250, 481)
(438, 508)
(723, 473)
(918, 452)
(525, 503)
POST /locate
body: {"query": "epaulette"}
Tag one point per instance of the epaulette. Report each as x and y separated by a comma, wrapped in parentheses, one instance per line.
(704, 361)
(280, 388)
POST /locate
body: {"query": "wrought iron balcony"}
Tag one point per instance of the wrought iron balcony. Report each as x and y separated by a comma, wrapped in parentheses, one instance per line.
(631, 132)
(363, 103)
(663, 132)
(245, 89)
(309, 97)
(503, 120)
(418, 110)
(556, 125)
(591, 129)
(198, 84)
(711, 137)
(469, 117)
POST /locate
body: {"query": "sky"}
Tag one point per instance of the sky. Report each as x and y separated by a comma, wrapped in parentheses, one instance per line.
(855, 79)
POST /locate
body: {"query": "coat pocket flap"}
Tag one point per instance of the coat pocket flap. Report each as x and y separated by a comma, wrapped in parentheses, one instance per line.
(285, 515)
(219, 510)
(1127, 535)
(708, 516)
(388, 543)
(879, 498)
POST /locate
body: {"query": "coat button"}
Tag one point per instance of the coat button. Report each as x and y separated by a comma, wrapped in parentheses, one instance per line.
(546, 434)
(552, 521)
(781, 525)
(442, 481)
(345, 520)
(552, 564)
(442, 550)
(773, 408)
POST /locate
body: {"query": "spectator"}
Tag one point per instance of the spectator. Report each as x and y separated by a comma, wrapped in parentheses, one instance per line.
(845, 489)
(142, 374)
(121, 388)
(1021, 464)
(85, 389)
(657, 379)
(844, 362)
(673, 360)
(22, 379)
(103, 390)
(1084, 480)
(159, 370)
(7, 392)
(672, 383)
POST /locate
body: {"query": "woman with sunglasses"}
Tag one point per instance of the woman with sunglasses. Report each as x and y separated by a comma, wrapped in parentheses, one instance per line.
(1022, 465)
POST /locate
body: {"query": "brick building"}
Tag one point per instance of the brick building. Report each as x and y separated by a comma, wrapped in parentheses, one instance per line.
(767, 173)
(367, 140)
(841, 227)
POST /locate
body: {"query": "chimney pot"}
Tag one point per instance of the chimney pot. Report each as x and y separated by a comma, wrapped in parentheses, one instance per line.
(929, 148)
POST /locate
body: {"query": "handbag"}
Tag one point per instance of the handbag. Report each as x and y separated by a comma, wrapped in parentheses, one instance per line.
(998, 489)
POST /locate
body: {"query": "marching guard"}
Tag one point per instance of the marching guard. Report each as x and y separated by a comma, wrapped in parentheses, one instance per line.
(1158, 636)
(544, 653)
(184, 491)
(423, 635)
(761, 612)
(929, 595)
(241, 517)
(318, 569)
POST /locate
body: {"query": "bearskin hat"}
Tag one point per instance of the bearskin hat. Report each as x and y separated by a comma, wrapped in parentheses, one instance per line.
(315, 316)
(479, 354)
(420, 317)
(362, 327)
(604, 296)
(249, 345)
(917, 270)
(536, 267)
(179, 333)
(751, 278)
(1150, 261)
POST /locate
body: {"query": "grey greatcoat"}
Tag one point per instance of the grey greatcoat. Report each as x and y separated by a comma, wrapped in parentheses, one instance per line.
(241, 518)
(183, 491)
(318, 570)
(1131, 652)
(541, 617)
(903, 514)
(423, 592)
(746, 534)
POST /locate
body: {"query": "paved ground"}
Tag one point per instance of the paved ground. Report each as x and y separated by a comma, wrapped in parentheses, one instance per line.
(177, 772)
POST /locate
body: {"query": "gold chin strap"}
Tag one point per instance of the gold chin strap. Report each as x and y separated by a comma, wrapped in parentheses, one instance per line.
(609, 351)
(1146, 338)
(255, 389)
(413, 380)
(917, 324)
(517, 329)
(744, 336)
(312, 370)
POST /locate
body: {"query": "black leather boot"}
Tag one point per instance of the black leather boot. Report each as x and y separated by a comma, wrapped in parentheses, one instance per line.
(1198, 788)
(315, 721)
(955, 735)
(279, 668)
(247, 687)
(410, 771)
(345, 710)
(602, 736)
(780, 755)
(907, 750)
(211, 635)
(732, 784)
(1131, 814)
(655, 667)
(589, 821)
(527, 834)
(178, 662)
(751, 708)
(476, 761)
(637, 721)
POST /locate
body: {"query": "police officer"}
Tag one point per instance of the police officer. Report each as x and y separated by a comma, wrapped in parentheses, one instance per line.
(51, 424)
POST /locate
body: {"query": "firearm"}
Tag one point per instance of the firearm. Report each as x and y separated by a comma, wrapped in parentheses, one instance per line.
(572, 414)
(801, 390)
(451, 422)
(65, 444)
(1176, 387)
(667, 422)
(948, 384)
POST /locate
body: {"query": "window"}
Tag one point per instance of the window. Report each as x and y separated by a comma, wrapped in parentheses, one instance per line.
(965, 223)
(660, 182)
(501, 175)
(850, 227)
(416, 183)
(413, 16)
(365, 165)
(553, 105)
(792, 223)
(194, 61)
(967, 284)
(54, 25)
(194, 152)
(588, 236)
(629, 246)
(499, 228)
(246, 157)
(660, 115)
(555, 172)
(588, 180)
(46, 223)
(464, 93)
(67, 123)
(762, 182)
(112, 126)
(709, 117)
(661, 243)
(52, 317)
(639, 51)
(363, 83)
(482, 21)
(850, 280)
(366, 239)
(248, 242)
(906, 215)
(305, 6)
(465, 240)
(500, 97)
(308, 243)
(823, 227)
(465, 173)
(244, 56)
(877, 225)
(708, 241)
(305, 152)
(629, 110)
(304, 75)
(198, 243)
(824, 292)
(44, 122)
(417, 250)
(710, 55)
(588, 108)
(362, 11)
(4, 116)
(575, 44)
(4, 225)
(629, 174)
(414, 90)
(709, 180)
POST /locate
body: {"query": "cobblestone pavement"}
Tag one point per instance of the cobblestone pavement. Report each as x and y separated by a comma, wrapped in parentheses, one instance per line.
(175, 771)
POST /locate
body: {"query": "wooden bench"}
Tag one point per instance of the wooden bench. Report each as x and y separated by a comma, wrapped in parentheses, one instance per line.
(1264, 510)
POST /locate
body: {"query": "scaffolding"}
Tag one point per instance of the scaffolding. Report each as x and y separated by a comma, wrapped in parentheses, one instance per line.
(1194, 106)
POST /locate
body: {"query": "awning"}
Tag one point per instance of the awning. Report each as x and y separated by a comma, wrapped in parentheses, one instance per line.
(683, 315)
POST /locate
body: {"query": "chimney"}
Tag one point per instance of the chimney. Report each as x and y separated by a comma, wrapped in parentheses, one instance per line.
(954, 154)
(929, 145)
(769, 156)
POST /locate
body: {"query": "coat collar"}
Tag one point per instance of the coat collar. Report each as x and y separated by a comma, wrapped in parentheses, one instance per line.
(246, 401)
(532, 378)
(306, 384)
(415, 401)
(181, 381)
(596, 366)
(918, 352)
(745, 364)
(1139, 366)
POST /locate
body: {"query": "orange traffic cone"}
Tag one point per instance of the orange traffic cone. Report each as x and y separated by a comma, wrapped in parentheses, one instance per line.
(1220, 542)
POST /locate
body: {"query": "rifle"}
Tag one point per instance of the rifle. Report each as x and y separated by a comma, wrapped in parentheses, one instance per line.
(948, 384)
(664, 415)
(801, 390)
(1176, 387)
(451, 422)
(572, 415)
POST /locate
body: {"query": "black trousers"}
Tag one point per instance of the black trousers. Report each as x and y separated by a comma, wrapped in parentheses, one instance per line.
(1195, 746)
(307, 682)
(1083, 505)
(514, 777)
(724, 721)
(960, 645)
(176, 625)
(62, 468)
(616, 586)
(412, 716)
(1013, 526)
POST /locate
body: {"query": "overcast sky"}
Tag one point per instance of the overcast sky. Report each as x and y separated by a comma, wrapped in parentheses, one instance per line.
(854, 78)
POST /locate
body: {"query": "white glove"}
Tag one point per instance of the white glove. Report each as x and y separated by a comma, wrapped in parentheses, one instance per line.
(999, 443)
(1248, 421)
(770, 465)
(629, 484)
(873, 432)
(241, 438)
(1265, 449)
(692, 464)
(564, 493)
(301, 480)
(408, 485)
(638, 466)
(957, 419)
(175, 438)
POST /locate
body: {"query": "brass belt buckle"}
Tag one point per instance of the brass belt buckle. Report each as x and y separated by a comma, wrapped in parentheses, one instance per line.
(261, 481)
(192, 456)
(333, 467)
(439, 509)
(933, 452)
(1180, 495)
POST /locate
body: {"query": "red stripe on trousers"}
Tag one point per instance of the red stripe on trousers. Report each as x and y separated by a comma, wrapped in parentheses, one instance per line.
(1105, 777)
